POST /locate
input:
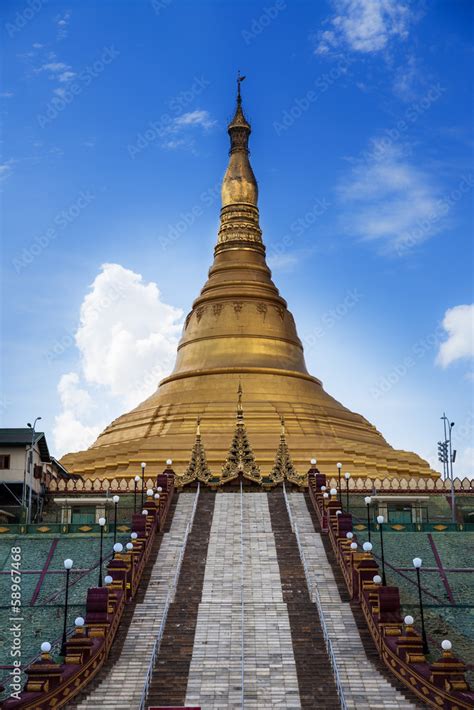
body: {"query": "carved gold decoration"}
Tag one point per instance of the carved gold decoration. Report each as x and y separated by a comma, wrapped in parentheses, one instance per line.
(240, 459)
(197, 468)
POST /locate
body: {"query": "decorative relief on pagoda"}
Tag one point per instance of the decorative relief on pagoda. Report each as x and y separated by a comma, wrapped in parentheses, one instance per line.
(217, 309)
(200, 312)
(280, 311)
(238, 305)
(262, 308)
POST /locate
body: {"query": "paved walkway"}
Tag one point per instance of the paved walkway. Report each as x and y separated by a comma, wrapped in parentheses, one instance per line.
(364, 686)
(242, 592)
(122, 687)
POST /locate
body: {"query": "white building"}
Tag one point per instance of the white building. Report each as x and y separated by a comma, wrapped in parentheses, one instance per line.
(16, 473)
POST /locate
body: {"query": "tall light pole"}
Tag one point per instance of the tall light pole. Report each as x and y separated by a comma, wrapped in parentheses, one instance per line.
(368, 501)
(380, 521)
(339, 466)
(116, 502)
(28, 517)
(347, 476)
(143, 481)
(136, 482)
(417, 562)
(102, 522)
(67, 566)
(448, 427)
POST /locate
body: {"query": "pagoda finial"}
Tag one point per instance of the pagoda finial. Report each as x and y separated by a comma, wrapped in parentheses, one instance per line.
(240, 409)
(240, 79)
(198, 426)
(282, 422)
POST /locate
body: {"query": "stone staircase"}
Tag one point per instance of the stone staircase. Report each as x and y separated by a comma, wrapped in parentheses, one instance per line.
(170, 677)
(364, 684)
(120, 682)
(317, 688)
(243, 652)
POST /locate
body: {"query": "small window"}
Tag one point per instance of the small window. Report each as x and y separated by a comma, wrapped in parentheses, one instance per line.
(4, 461)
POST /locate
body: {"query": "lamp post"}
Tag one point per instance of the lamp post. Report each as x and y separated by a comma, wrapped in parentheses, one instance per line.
(30, 491)
(136, 481)
(368, 501)
(347, 476)
(118, 548)
(417, 562)
(339, 466)
(116, 502)
(143, 481)
(67, 566)
(450, 457)
(367, 547)
(102, 522)
(108, 579)
(380, 522)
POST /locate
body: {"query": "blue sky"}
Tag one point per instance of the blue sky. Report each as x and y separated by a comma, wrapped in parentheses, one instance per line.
(114, 144)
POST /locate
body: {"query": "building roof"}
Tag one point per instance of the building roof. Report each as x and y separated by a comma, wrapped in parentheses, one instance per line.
(22, 437)
(63, 472)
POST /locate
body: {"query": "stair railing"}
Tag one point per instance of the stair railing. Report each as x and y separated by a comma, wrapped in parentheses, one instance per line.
(169, 600)
(314, 596)
(242, 612)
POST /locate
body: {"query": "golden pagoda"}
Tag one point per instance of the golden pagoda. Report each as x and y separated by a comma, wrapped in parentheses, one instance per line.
(240, 330)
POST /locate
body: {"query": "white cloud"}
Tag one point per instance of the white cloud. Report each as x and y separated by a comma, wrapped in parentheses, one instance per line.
(62, 23)
(195, 118)
(6, 169)
(391, 201)
(365, 26)
(6, 94)
(458, 323)
(127, 338)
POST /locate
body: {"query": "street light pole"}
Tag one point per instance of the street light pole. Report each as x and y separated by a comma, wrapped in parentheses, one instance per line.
(143, 482)
(137, 481)
(347, 476)
(116, 502)
(380, 522)
(28, 517)
(67, 566)
(339, 466)
(448, 427)
(368, 501)
(102, 522)
(417, 562)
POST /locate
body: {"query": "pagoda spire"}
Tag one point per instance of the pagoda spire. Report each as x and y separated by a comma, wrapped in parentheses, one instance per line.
(283, 467)
(239, 214)
(240, 459)
(197, 468)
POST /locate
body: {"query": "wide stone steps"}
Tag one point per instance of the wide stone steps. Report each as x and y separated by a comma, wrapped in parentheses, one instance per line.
(364, 684)
(170, 678)
(120, 682)
(315, 677)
